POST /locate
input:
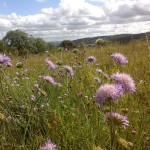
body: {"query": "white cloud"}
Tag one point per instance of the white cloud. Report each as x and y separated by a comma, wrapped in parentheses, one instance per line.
(74, 19)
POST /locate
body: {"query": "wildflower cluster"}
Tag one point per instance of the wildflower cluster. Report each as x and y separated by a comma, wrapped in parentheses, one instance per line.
(119, 58)
(52, 67)
(5, 60)
(111, 92)
(107, 94)
(91, 59)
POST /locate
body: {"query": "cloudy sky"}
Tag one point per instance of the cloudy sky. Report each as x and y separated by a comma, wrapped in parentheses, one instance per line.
(55, 20)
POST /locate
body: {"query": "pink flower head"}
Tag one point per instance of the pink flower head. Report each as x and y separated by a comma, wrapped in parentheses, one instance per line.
(50, 64)
(50, 80)
(125, 81)
(117, 119)
(48, 146)
(69, 70)
(108, 91)
(119, 58)
(91, 59)
(5, 60)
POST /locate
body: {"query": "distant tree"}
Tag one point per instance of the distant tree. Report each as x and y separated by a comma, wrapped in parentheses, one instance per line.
(51, 46)
(17, 39)
(101, 42)
(23, 43)
(67, 44)
(31, 46)
(41, 45)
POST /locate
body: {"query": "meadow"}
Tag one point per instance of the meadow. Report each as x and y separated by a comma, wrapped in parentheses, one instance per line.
(33, 110)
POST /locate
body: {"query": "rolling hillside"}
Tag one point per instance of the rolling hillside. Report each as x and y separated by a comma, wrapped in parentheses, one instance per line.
(114, 38)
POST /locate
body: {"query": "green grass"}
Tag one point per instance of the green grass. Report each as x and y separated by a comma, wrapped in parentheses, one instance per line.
(70, 121)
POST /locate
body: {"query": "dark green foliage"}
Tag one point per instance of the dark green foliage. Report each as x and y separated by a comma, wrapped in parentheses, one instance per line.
(51, 46)
(2, 46)
(17, 39)
(67, 44)
(41, 45)
(32, 45)
(23, 43)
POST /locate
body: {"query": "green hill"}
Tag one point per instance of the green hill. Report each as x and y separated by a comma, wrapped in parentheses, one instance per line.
(123, 38)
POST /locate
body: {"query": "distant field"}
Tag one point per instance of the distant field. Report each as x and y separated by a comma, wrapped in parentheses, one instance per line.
(33, 110)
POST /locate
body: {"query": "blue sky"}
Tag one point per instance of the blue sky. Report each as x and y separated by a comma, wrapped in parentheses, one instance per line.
(25, 7)
(56, 20)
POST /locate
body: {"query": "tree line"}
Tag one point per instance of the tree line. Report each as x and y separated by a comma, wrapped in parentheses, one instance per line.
(18, 41)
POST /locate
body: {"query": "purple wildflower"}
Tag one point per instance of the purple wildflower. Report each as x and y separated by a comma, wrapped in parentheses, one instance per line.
(108, 91)
(119, 58)
(50, 80)
(91, 59)
(69, 69)
(48, 146)
(5, 60)
(125, 81)
(50, 64)
(117, 119)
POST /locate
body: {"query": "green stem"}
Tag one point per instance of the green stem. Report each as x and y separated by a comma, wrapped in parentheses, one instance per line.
(3, 101)
(111, 129)
(1, 77)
